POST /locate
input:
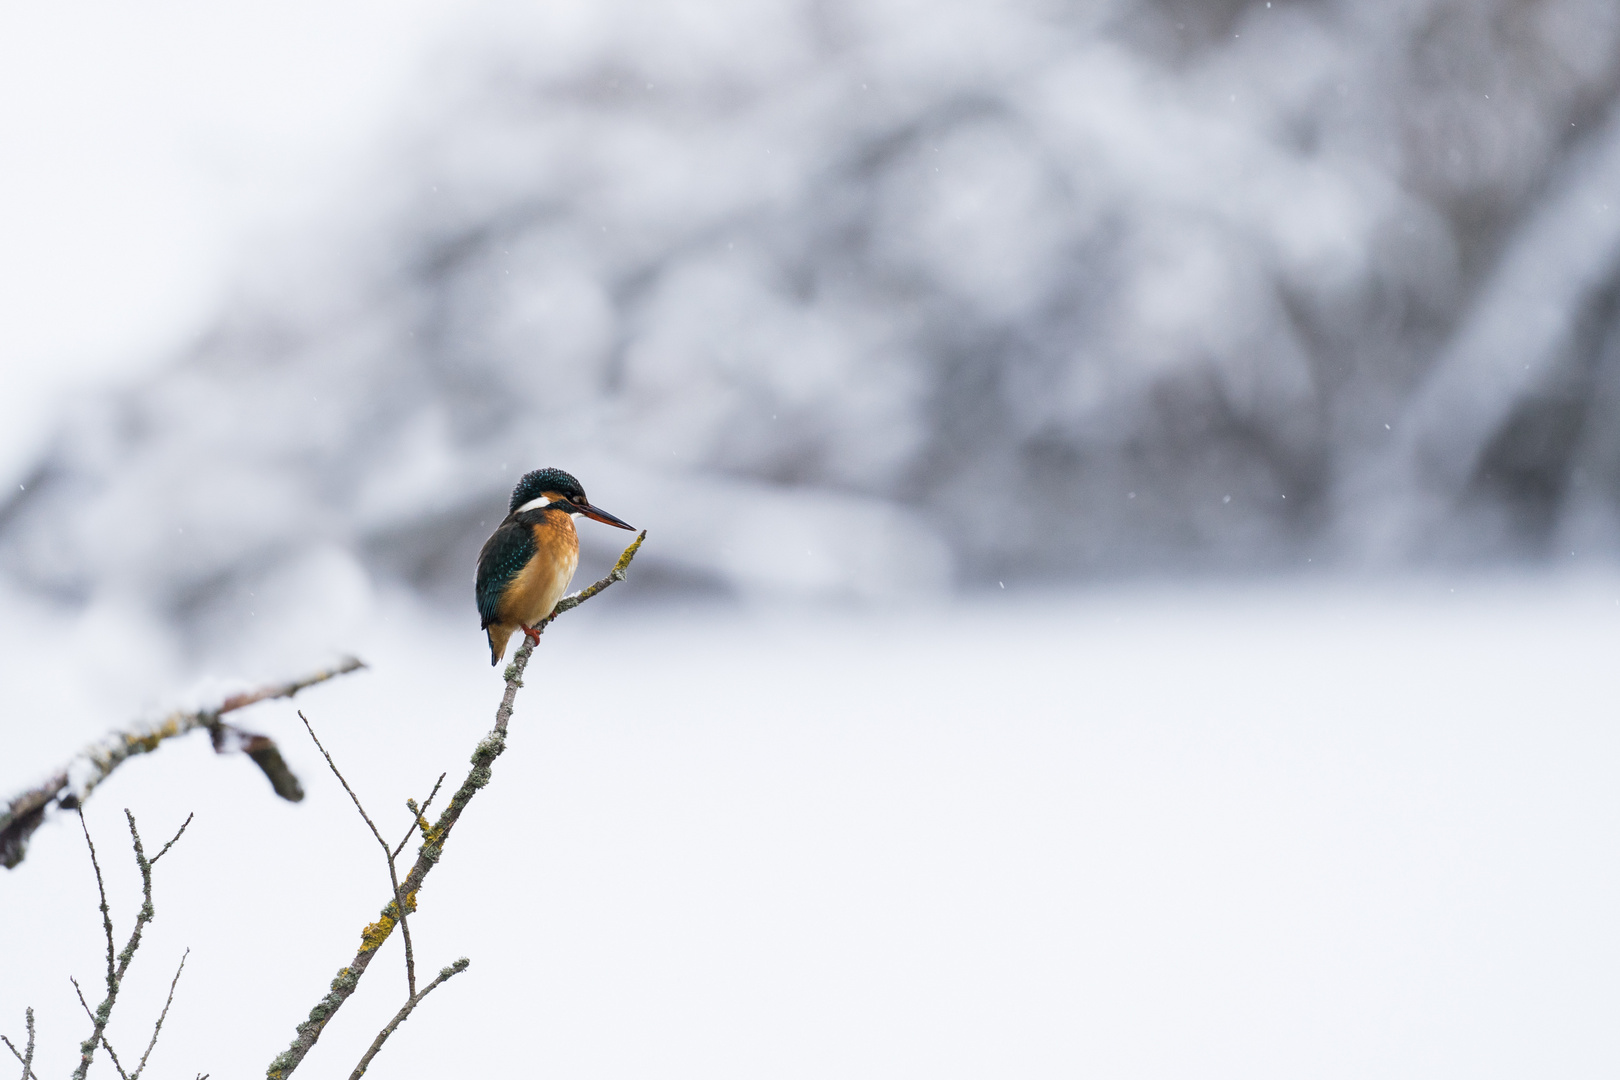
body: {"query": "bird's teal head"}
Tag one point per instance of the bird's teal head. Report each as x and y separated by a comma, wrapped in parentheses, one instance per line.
(553, 487)
(549, 484)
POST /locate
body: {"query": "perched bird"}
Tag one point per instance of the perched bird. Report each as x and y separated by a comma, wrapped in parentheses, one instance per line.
(529, 560)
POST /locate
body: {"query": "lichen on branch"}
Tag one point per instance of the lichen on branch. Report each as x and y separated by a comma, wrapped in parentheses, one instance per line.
(70, 786)
(490, 747)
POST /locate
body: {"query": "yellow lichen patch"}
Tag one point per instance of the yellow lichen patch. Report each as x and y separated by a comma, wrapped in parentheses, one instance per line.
(376, 933)
(624, 559)
(410, 902)
(430, 835)
(144, 744)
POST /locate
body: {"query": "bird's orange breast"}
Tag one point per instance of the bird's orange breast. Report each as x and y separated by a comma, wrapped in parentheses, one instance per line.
(541, 583)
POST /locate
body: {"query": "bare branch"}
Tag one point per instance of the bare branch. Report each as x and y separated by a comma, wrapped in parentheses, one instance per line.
(289, 689)
(435, 792)
(27, 1059)
(399, 1018)
(70, 786)
(106, 913)
(82, 1002)
(434, 839)
(399, 903)
(170, 844)
(417, 816)
(28, 1062)
(164, 1015)
(85, 1005)
(28, 1072)
(335, 772)
(115, 975)
(112, 1054)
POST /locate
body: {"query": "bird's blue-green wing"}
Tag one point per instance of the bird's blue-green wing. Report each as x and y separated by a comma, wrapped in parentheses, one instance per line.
(505, 553)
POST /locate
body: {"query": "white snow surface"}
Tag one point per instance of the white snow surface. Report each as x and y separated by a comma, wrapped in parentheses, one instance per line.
(1302, 829)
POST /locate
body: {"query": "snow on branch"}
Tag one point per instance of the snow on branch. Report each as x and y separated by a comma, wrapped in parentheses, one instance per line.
(68, 788)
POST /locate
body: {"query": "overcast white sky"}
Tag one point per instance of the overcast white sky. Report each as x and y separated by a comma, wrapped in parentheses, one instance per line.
(140, 143)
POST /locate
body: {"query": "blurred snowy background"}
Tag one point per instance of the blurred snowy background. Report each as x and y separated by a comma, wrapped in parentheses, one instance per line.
(934, 344)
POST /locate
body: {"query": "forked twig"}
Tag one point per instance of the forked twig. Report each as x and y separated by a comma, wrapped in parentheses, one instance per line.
(418, 814)
(433, 840)
(118, 966)
(400, 903)
(405, 1010)
(27, 1059)
(85, 1005)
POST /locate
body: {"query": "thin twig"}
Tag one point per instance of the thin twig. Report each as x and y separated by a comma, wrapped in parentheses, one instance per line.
(82, 1002)
(85, 1005)
(435, 792)
(170, 844)
(107, 1046)
(72, 784)
(28, 1062)
(428, 855)
(399, 903)
(106, 913)
(288, 689)
(115, 976)
(417, 815)
(405, 1010)
(333, 766)
(28, 1072)
(164, 1015)
(28, 1058)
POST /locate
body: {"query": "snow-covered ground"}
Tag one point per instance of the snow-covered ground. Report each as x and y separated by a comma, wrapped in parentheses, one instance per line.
(1282, 830)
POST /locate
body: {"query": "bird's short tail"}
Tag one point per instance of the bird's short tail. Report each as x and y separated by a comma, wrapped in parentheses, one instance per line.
(498, 637)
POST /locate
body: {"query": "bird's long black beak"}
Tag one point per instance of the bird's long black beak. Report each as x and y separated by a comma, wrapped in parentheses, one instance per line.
(604, 517)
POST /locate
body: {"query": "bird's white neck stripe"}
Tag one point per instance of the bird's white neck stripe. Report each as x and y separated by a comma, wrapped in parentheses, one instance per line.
(533, 504)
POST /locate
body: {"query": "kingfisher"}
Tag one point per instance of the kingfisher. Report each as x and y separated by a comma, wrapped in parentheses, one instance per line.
(530, 558)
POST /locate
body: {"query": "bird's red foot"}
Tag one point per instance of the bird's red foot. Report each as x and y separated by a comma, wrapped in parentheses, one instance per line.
(531, 633)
